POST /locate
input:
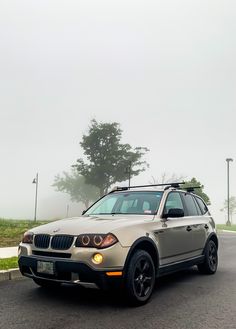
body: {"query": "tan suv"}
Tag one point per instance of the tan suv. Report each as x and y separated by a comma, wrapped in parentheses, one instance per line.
(128, 238)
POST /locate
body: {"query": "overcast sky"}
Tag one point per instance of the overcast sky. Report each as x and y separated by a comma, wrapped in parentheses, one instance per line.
(165, 70)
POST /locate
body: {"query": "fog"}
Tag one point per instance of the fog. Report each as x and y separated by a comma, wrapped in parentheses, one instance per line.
(165, 70)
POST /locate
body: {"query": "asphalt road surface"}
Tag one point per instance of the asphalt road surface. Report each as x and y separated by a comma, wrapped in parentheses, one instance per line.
(183, 300)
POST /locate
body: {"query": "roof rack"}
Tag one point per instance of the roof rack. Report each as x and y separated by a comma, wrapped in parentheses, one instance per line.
(119, 188)
(174, 185)
(168, 185)
(191, 188)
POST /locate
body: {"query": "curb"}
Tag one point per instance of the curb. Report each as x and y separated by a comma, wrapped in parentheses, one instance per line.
(12, 274)
(228, 231)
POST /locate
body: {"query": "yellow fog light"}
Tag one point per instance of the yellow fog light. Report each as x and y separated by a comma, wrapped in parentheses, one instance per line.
(97, 258)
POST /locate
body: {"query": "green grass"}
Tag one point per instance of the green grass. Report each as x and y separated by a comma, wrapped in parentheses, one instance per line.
(11, 231)
(225, 227)
(8, 263)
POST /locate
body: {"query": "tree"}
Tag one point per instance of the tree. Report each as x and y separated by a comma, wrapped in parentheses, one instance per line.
(232, 207)
(108, 161)
(199, 191)
(74, 184)
(165, 179)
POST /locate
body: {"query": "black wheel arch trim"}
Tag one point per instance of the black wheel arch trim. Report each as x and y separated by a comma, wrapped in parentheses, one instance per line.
(212, 237)
(135, 246)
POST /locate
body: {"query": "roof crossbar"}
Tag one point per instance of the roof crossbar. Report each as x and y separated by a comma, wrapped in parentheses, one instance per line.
(124, 188)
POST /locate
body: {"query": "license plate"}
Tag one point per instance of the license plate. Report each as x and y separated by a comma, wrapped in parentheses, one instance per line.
(45, 267)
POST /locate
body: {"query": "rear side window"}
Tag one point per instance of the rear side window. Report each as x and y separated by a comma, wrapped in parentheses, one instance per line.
(202, 205)
(190, 205)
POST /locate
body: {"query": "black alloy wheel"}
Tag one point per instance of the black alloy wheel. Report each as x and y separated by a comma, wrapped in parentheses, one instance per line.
(140, 278)
(211, 259)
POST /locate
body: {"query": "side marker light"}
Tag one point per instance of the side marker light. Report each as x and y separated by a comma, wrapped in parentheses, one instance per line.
(119, 273)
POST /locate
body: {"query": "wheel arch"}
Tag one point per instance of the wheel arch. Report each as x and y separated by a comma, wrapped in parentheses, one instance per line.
(146, 244)
(212, 237)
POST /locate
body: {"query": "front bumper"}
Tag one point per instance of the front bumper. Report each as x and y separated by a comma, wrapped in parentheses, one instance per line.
(69, 271)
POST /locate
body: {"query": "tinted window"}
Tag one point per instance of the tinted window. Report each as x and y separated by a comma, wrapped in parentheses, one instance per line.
(173, 201)
(106, 207)
(190, 205)
(202, 205)
(127, 203)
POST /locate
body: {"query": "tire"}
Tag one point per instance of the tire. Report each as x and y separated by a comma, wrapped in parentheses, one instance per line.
(209, 266)
(46, 283)
(140, 278)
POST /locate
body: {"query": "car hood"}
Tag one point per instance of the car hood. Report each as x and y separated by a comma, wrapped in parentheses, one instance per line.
(91, 224)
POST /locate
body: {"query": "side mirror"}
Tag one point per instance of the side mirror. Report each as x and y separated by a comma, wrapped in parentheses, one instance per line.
(83, 212)
(174, 213)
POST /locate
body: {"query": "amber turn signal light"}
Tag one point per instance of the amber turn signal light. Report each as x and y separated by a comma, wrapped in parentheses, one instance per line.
(119, 273)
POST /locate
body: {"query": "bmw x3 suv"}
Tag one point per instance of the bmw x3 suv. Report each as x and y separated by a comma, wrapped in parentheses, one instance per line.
(126, 239)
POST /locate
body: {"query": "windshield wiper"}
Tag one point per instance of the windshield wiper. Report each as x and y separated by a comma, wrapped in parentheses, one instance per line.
(107, 213)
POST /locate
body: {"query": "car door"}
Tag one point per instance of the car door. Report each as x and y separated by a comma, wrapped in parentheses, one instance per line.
(197, 225)
(172, 236)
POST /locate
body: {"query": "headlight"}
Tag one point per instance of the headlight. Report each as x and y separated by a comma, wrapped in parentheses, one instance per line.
(96, 240)
(28, 237)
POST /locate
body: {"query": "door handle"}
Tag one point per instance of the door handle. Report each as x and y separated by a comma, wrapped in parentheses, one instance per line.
(206, 226)
(188, 228)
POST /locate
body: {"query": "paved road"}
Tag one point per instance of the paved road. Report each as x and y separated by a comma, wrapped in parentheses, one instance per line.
(184, 300)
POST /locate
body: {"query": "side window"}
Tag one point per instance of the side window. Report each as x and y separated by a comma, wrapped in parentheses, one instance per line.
(173, 201)
(190, 205)
(202, 205)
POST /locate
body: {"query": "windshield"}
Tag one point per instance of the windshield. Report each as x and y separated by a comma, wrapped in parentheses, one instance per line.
(141, 203)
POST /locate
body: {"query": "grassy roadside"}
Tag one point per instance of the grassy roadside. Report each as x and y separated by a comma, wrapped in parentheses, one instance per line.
(11, 231)
(221, 227)
(8, 263)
